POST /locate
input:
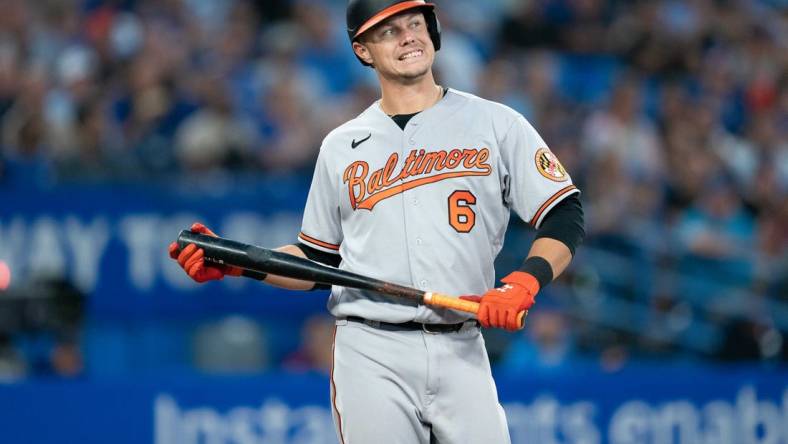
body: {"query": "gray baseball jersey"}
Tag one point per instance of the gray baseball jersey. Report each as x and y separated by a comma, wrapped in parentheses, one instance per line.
(427, 206)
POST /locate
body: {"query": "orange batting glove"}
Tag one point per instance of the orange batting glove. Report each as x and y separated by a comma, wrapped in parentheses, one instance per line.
(192, 259)
(500, 307)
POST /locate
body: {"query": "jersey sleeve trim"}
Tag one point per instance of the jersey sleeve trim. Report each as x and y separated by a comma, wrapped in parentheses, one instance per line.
(315, 243)
(536, 221)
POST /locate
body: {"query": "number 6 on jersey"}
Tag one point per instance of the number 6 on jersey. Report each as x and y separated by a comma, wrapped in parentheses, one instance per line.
(461, 215)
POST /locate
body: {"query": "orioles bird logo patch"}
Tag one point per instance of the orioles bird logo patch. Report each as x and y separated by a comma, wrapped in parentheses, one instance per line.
(549, 166)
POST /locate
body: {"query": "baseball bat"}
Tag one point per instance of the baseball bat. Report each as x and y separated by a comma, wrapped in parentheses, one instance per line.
(262, 260)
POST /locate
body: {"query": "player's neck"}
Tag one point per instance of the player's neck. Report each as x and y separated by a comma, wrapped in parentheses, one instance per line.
(399, 98)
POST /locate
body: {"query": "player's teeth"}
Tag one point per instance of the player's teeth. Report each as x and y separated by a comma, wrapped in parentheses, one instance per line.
(411, 54)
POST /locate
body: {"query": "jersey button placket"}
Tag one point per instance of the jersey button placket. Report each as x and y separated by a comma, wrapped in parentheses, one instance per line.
(409, 143)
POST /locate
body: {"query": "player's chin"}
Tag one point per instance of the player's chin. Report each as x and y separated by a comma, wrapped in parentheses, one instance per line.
(414, 70)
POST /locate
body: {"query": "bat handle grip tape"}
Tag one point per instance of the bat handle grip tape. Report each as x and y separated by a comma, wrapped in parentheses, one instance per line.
(444, 301)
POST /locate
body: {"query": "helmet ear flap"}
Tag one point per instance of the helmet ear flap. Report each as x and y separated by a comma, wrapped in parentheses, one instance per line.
(434, 28)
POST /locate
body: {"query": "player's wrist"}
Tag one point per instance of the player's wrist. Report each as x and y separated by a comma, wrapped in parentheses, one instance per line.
(540, 269)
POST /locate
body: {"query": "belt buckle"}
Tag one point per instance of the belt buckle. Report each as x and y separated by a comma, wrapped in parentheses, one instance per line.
(427, 330)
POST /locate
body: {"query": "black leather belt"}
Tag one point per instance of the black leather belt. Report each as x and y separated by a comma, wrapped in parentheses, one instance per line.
(412, 325)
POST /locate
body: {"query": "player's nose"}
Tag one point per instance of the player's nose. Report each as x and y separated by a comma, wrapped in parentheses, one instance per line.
(408, 37)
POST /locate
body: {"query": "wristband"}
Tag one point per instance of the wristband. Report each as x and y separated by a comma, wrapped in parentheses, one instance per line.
(539, 268)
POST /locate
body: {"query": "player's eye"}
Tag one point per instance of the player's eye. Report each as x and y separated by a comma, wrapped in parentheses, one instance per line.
(387, 32)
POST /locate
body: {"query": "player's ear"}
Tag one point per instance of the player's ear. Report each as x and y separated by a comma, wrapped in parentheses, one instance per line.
(362, 52)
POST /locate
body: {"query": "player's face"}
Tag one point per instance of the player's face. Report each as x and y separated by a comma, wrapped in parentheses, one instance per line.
(400, 47)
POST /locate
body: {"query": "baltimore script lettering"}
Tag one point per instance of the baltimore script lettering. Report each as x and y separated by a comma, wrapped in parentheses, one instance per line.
(366, 190)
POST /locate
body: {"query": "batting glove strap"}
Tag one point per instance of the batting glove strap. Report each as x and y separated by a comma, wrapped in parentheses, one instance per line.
(523, 279)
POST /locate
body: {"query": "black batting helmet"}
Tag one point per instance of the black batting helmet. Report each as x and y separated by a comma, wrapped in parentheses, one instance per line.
(364, 14)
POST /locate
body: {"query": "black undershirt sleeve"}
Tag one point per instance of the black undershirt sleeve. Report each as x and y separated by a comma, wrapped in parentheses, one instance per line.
(330, 259)
(565, 223)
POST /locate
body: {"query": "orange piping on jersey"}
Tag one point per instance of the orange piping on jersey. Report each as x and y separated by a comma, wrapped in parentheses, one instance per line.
(334, 387)
(364, 192)
(373, 199)
(388, 12)
(546, 205)
(318, 242)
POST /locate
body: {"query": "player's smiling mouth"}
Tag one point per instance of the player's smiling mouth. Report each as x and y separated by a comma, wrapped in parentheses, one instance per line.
(411, 54)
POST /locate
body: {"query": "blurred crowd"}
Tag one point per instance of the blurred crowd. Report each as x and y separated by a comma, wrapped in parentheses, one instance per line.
(672, 117)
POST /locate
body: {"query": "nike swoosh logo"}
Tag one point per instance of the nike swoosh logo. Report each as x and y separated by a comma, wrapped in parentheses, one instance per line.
(354, 144)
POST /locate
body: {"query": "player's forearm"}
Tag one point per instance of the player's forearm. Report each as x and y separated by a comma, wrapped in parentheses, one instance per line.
(556, 241)
(283, 282)
(555, 252)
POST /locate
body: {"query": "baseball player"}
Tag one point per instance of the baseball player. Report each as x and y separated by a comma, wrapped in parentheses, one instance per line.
(418, 190)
